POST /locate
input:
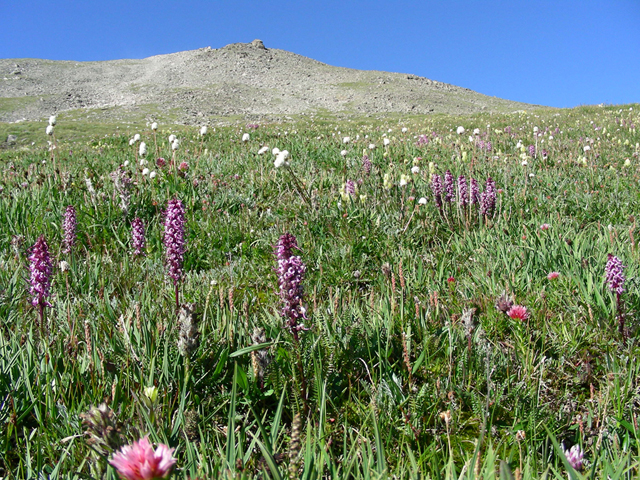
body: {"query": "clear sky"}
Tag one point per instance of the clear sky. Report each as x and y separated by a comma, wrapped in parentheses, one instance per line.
(559, 53)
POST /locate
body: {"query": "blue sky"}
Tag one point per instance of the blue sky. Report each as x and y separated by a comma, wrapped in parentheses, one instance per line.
(558, 53)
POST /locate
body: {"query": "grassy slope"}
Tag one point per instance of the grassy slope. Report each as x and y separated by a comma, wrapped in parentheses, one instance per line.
(387, 282)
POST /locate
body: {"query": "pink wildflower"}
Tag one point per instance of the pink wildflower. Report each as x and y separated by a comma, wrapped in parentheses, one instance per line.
(553, 275)
(140, 462)
(518, 312)
(544, 226)
(184, 166)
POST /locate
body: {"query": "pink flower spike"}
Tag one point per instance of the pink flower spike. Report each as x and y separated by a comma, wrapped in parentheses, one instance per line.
(518, 312)
(553, 275)
(140, 462)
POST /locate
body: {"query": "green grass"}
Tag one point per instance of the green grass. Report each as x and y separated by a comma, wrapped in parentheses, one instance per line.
(389, 352)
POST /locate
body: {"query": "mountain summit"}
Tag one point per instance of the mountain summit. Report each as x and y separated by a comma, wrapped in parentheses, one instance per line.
(240, 79)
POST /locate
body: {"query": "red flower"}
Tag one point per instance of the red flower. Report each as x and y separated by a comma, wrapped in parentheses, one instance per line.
(518, 312)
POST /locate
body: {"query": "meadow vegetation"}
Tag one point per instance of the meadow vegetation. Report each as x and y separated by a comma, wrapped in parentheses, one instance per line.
(434, 334)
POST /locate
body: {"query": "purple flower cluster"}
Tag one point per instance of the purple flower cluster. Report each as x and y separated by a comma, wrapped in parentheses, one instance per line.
(366, 165)
(40, 269)
(290, 274)
(174, 239)
(436, 188)
(613, 273)
(482, 145)
(422, 141)
(350, 188)
(575, 457)
(474, 192)
(488, 198)
(463, 191)
(69, 227)
(532, 150)
(449, 192)
(137, 236)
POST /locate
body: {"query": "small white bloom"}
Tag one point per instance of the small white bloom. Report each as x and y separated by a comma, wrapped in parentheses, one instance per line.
(279, 161)
(145, 171)
(386, 142)
(422, 201)
(175, 145)
(49, 130)
(372, 146)
(531, 175)
(245, 137)
(203, 130)
(550, 137)
(586, 148)
(535, 129)
(404, 129)
(343, 153)
(153, 174)
(346, 139)
(275, 151)
(524, 163)
(143, 149)
(136, 137)
(476, 131)
(52, 120)
(172, 137)
(132, 142)
(460, 130)
(154, 126)
(126, 163)
(415, 170)
(263, 150)
(64, 266)
(404, 180)
(471, 139)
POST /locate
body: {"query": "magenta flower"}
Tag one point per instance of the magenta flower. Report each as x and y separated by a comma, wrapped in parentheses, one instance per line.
(575, 457)
(175, 242)
(488, 198)
(614, 276)
(463, 191)
(366, 165)
(137, 236)
(474, 192)
(449, 192)
(40, 269)
(290, 274)
(436, 188)
(140, 462)
(544, 226)
(69, 227)
(518, 312)
(553, 275)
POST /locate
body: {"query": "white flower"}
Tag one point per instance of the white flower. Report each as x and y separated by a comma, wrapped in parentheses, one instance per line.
(372, 146)
(152, 174)
(535, 129)
(143, 149)
(275, 151)
(203, 130)
(550, 137)
(531, 175)
(404, 129)
(586, 148)
(422, 201)
(154, 126)
(52, 120)
(280, 160)
(136, 137)
(49, 130)
(263, 150)
(346, 139)
(64, 266)
(132, 142)
(519, 144)
(171, 138)
(175, 145)
(285, 154)
(415, 170)
(404, 180)
(471, 139)
(476, 131)
(126, 163)
(386, 142)
(460, 130)
(343, 153)
(245, 137)
(145, 171)
(143, 162)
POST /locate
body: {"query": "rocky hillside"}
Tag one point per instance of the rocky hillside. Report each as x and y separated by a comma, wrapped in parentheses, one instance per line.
(240, 79)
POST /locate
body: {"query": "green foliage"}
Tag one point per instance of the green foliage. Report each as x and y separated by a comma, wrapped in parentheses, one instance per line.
(394, 376)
